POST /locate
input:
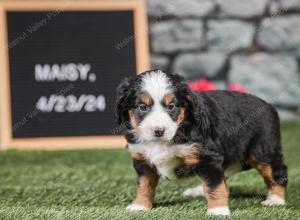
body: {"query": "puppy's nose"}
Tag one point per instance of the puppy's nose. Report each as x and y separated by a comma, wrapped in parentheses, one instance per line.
(159, 132)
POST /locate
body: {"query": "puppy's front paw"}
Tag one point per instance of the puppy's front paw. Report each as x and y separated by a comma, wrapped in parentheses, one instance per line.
(136, 207)
(273, 200)
(194, 192)
(219, 211)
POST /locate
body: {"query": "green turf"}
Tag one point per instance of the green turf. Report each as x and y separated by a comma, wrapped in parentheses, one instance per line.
(99, 184)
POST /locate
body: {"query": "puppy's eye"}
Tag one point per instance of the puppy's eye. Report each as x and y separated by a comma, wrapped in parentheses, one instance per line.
(143, 108)
(171, 107)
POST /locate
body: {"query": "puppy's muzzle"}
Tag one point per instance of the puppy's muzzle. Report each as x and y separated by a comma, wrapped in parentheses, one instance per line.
(159, 132)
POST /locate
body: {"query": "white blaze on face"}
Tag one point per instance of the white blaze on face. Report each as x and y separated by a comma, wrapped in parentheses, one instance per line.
(157, 85)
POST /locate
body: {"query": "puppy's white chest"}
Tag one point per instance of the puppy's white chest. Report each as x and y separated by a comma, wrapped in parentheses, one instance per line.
(166, 168)
(163, 157)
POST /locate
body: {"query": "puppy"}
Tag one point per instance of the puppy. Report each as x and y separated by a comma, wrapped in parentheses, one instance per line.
(173, 132)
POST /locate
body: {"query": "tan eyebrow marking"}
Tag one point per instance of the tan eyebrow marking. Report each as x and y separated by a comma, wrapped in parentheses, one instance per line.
(168, 99)
(146, 99)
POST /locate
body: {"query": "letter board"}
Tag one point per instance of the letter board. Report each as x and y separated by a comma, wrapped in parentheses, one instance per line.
(61, 65)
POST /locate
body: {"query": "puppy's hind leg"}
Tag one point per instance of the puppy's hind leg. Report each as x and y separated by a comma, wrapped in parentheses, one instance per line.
(266, 156)
(275, 177)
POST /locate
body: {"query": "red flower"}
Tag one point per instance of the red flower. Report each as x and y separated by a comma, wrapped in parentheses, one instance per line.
(236, 87)
(206, 85)
(202, 85)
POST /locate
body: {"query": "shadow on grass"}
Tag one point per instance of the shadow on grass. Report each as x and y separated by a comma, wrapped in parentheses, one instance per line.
(240, 193)
(247, 195)
(235, 193)
(173, 203)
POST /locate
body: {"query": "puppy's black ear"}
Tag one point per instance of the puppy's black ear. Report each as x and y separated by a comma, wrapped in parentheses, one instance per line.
(123, 91)
(196, 107)
(200, 111)
(184, 91)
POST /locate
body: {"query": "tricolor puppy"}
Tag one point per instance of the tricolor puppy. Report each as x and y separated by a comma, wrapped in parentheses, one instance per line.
(173, 132)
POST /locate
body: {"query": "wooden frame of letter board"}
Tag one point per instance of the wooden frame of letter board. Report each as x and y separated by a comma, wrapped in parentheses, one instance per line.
(61, 143)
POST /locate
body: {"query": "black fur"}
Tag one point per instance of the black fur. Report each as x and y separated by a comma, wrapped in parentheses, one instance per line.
(123, 93)
(230, 126)
(142, 168)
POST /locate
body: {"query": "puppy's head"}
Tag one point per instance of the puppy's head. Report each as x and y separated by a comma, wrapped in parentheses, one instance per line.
(153, 105)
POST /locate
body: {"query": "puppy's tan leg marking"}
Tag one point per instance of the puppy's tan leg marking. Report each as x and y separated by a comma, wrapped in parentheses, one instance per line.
(276, 192)
(217, 199)
(145, 192)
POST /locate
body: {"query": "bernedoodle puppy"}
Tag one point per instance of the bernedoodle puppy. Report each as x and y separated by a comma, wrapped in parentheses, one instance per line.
(173, 132)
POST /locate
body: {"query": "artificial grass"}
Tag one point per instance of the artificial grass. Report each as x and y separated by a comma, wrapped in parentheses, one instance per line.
(99, 184)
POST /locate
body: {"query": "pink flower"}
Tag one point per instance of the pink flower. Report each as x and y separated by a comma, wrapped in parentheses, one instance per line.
(236, 87)
(206, 85)
(202, 85)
